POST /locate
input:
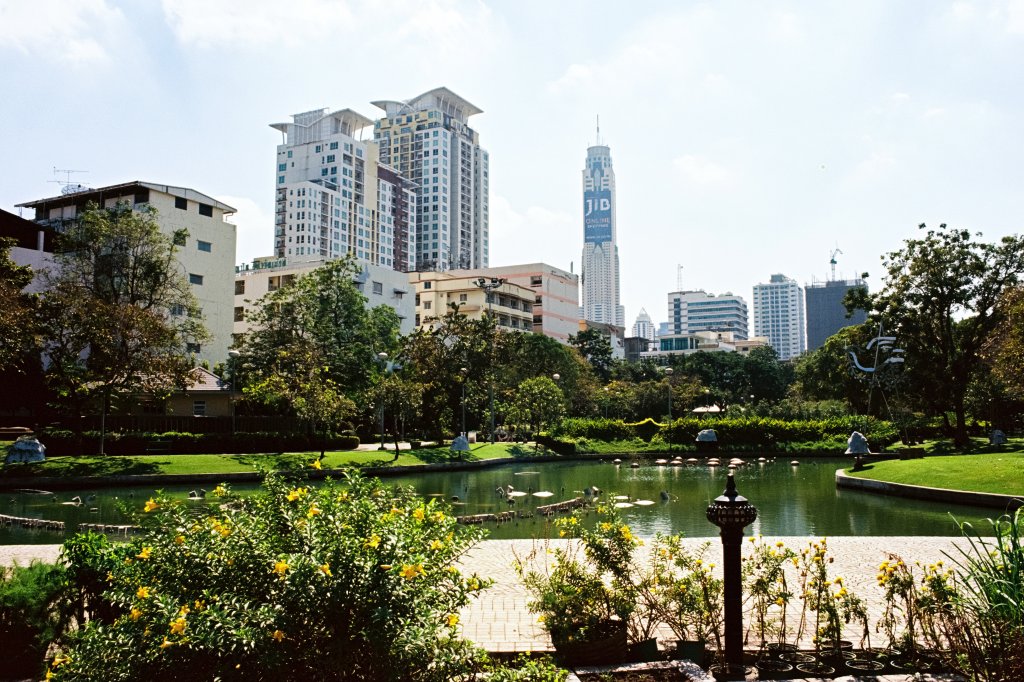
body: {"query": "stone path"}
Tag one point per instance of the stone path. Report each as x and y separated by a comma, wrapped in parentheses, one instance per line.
(499, 620)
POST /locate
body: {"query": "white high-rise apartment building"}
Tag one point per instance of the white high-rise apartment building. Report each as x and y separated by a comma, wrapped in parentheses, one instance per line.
(779, 315)
(690, 312)
(643, 327)
(428, 140)
(334, 197)
(600, 249)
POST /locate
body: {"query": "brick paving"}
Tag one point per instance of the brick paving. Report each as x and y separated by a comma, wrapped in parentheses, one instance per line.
(499, 621)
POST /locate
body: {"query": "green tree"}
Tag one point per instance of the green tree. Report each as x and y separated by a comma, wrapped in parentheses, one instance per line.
(117, 313)
(596, 349)
(1004, 348)
(18, 323)
(940, 300)
(401, 400)
(536, 404)
(824, 373)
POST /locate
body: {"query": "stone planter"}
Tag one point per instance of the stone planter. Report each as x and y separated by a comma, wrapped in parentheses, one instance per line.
(773, 669)
(645, 651)
(607, 646)
(691, 650)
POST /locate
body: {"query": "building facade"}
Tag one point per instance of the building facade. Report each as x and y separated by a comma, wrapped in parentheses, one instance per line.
(206, 256)
(643, 327)
(438, 292)
(334, 197)
(600, 246)
(690, 312)
(779, 315)
(825, 311)
(427, 139)
(555, 295)
(379, 284)
(686, 344)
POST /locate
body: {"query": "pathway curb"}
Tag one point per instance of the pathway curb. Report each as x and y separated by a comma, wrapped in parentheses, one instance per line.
(920, 492)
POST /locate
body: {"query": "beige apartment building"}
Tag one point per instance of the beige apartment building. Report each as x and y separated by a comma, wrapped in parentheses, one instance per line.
(436, 293)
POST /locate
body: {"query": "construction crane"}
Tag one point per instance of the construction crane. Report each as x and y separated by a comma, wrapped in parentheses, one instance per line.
(832, 262)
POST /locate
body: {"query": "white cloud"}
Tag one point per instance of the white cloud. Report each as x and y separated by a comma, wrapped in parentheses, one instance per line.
(698, 170)
(75, 33)
(515, 235)
(255, 235)
(1015, 16)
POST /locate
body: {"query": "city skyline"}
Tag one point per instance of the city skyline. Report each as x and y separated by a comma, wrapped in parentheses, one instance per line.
(748, 139)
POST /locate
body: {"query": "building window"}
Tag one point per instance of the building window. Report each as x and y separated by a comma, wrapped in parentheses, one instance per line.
(378, 288)
(181, 203)
(239, 313)
(192, 348)
(463, 298)
(239, 287)
(426, 305)
(198, 408)
(177, 310)
(194, 278)
(204, 246)
(273, 283)
(206, 210)
(426, 285)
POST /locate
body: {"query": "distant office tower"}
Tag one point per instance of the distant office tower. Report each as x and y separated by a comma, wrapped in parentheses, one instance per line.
(643, 327)
(825, 311)
(697, 311)
(779, 315)
(600, 250)
(334, 197)
(427, 140)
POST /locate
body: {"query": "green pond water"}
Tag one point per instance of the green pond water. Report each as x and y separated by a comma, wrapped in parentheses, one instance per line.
(791, 500)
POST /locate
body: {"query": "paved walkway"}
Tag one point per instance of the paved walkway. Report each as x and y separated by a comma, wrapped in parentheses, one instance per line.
(499, 620)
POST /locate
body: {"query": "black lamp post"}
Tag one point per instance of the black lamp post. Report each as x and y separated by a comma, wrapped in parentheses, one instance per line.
(731, 512)
(464, 372)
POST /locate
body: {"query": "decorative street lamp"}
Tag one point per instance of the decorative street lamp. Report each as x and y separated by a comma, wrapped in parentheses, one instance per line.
(668, 432)
(464, 372)
(383, 357)
(731, 512)
(489, 284)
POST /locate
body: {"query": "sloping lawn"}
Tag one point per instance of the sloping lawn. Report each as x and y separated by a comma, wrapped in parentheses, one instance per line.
(221, 464)
(990, 472)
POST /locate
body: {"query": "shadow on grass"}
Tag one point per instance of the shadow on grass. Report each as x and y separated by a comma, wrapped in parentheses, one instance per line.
(71, 466)
(274, 462)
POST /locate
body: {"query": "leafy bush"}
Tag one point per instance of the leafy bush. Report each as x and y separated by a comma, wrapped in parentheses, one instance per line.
(31, 615)
(350, 580)
(63, 442)
(526, 669)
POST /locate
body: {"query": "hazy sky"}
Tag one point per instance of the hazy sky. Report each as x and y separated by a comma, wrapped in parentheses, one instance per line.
(748, 138)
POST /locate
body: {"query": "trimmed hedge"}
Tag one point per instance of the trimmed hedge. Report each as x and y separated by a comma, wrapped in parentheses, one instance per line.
(62, 442)
(763, 433)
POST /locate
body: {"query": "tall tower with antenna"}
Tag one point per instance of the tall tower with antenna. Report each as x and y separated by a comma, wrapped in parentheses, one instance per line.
(600, 279)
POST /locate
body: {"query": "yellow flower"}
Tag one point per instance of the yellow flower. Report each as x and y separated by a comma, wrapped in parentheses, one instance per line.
(372, 542)
(395, 511)
(626, 533)
(144, 554)
(436, 544)
(60, 660)
(178, 625)
(142, 593)
(541, 618)
(277, 635)
(179, 539)
(199, 604)
(419, 514)
(150, 505)
(472, 584)
(281, 567)
(297, 494)
(110, 577)
(49, 675)
(605, 526)
(385, 567)
(220, 491)
(316, 464)
(780, 602)
(780, 544)
(325, 569)
(166, 644)
(452, 620)
(410, 571)
(437, 517)
(313, 511)
(135, 614)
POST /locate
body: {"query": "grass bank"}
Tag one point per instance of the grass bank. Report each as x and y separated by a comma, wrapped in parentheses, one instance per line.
(981, 468)
(136, 465)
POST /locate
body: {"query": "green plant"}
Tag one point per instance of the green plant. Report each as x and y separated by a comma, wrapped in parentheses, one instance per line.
(766, 588)
(829, 599)
(577, 597)
(689, 595)
(527, 669)
(351, 579)
(32, 615)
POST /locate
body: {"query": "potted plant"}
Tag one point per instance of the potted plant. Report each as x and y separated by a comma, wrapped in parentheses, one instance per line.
(689, 596)
(585, 596)
(768, 596)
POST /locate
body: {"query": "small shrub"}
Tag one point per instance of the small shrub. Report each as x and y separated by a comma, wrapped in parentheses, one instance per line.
(31, 616)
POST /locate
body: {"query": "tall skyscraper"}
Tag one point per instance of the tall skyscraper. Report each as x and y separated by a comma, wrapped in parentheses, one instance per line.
(335, 197)
(697, 311)
(643, 327)
(779, 315)
(427, 139)
(825, 311)
(600, 251)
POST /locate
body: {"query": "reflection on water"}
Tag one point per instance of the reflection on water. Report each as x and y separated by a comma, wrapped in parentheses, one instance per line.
(791, 500)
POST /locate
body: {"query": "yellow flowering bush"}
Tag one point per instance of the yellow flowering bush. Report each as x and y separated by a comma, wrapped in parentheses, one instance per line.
(689, 593)
(335, 582)
(765, 588)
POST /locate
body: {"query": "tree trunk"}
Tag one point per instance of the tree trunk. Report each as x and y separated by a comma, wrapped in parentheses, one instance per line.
(103, 420)
(960, 438)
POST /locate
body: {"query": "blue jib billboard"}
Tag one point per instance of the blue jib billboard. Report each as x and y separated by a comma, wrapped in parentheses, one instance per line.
(597, 216)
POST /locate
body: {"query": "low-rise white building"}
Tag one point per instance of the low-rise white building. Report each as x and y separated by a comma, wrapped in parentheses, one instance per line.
(206, 255)
(685, 344)
(439, 292)
(380, 285)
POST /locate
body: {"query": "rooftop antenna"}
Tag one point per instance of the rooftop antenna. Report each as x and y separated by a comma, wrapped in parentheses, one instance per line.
(832, 262)
(598, 143)
(679, 277)
(68, 187)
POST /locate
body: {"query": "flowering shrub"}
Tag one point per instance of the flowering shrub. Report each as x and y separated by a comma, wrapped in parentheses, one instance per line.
(829, 599)
(764, 581)
(349, 580)
(689, 593)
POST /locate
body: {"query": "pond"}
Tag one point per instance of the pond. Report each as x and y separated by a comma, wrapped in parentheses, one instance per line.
(791, 500)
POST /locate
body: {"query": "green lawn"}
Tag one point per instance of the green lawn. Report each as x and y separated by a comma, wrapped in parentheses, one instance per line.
(221, 464)
(987, 472)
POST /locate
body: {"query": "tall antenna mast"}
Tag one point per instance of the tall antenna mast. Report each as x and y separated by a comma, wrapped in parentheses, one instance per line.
(599, 129)
(66, 186)
(832, 262)
(679, 277)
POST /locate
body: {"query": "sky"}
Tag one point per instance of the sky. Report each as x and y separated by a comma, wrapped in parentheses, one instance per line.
(748, 138)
